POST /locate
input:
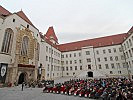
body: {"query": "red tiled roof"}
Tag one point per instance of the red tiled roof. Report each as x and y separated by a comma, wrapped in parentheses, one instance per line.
(50, 33)
(96, 42)
(3, 11)
(24, 17)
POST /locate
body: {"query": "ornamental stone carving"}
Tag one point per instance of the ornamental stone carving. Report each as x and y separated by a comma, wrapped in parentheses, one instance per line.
(24, 59)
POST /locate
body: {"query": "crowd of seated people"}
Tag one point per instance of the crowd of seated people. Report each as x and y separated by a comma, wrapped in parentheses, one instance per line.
(106, 89)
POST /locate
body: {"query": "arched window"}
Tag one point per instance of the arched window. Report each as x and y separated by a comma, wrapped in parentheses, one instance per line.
(7, 41)
(24, 46)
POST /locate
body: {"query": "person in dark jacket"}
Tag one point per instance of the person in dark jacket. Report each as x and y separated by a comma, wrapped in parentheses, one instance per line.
(22, 86)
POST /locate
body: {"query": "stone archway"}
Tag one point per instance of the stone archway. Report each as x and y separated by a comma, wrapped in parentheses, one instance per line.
(22, 78)
(90, 74)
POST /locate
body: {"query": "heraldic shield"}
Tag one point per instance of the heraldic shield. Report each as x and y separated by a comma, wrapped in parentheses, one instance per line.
(3, 72)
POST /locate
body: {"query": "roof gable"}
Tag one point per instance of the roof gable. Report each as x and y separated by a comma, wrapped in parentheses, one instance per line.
(51, 34)
(24, 17)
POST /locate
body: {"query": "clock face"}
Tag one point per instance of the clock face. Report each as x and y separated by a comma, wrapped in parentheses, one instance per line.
(3, 70)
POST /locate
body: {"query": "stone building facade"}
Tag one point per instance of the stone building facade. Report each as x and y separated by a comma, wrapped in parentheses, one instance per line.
(26, 54)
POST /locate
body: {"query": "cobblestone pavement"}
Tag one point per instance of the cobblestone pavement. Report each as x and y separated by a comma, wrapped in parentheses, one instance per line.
(15, 93)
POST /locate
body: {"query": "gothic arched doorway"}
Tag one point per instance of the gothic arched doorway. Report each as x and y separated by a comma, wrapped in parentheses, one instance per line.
(90, 74)
(22, 78)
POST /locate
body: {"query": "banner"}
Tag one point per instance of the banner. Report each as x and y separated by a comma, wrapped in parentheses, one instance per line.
(3, 72)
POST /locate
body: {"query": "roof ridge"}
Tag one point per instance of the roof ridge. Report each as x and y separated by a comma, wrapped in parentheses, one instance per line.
(93, 38)
(51, 32)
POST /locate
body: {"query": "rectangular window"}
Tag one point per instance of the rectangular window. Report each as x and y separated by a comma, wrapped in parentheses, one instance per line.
(127, 44)
(89, 66)
(109, 50)
(49, 59)
(111, 72)
(87, 52)
(122, 57)
(124, 65)
(98, 59)
(70, 55)
(105, 58)
(99, 66)
(74, 54)
(111, 58)
(130, 42)
(67, 73)
(104, 51)
(66, 62)
(7, 41)
(130, 53)
(48, 68)
(107, 66)
(80, 67)
(13, 20)
(62, 62)
(66, 68)
(66, 56)
(75, 67)
(52, 51)
(75, 61)
(97, 52)
(80, 61)
(114, 50)
(46, 58)
(62, 56)
(52, 60)
(49, 50)
(113, 66)
(120, 49)
(116, 58)
(118, 65)
(79, 54)
(88, 60)
(52, 68)
(127, 55)
(71, 68)
(119, 72)
(129, 64)
(70, 62)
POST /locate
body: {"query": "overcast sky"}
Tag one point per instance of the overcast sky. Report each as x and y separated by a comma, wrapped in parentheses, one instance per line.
(75, 20)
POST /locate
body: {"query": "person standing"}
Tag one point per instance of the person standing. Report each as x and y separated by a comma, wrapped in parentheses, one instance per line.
(22, 86)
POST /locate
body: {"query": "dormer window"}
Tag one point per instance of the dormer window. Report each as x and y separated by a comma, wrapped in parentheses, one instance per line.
(51, 37)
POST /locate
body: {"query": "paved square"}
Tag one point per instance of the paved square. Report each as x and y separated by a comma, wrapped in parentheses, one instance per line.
(15, 93)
